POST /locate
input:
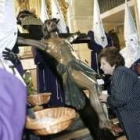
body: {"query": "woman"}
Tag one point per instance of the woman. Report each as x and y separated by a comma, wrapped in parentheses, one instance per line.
(124, 99)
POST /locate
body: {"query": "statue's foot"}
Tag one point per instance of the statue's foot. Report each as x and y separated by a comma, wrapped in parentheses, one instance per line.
(114, 128)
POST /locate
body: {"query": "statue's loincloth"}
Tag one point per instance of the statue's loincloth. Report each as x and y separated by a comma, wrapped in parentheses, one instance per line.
(74, 95)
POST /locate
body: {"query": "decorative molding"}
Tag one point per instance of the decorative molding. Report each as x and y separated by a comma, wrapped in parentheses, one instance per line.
(24, 4)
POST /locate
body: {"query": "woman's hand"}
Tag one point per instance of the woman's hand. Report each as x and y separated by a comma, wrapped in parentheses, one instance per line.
(103, 97)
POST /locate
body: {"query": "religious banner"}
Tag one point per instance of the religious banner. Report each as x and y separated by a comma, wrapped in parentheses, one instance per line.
(131, 52)
(138, 5)
(57, 13)
(8, 34)
(43, 14)
(99, 33)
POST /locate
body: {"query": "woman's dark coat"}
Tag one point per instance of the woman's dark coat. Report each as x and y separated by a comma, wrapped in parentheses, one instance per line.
(125, 100)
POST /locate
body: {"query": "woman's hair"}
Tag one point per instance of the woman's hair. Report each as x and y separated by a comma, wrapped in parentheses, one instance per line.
(112, 56)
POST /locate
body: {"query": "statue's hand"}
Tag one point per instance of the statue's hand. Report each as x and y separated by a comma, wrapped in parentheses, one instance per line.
(73, 37)
(78, 33)
(10, 55)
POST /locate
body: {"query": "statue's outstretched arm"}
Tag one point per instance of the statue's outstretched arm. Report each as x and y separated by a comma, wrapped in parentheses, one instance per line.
(31, 42)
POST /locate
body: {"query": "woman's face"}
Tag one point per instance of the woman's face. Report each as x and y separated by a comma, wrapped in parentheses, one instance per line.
(106, 67)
